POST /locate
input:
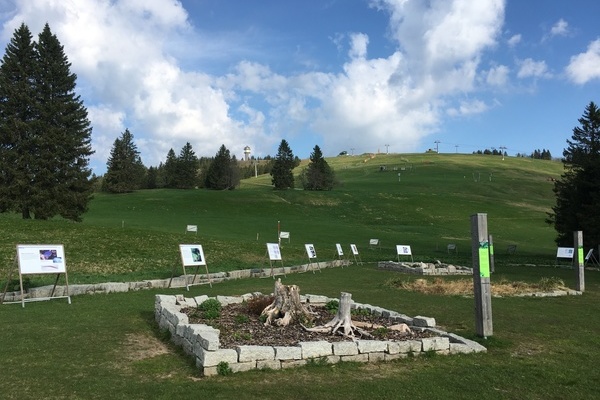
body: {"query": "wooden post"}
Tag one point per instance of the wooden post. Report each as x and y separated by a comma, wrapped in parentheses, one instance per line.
(481, 275)
(579, 260)
(491, 241)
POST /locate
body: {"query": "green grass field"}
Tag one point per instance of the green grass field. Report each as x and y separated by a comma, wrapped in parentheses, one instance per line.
(108, 346)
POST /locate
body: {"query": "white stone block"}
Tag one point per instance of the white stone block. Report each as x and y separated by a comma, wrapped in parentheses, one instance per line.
(213, 358)
(423, 321)
(345, 348)
(243, 366)
(371, 346)
(287, 353)
(254, 353)
(315, 349)
(435, 343)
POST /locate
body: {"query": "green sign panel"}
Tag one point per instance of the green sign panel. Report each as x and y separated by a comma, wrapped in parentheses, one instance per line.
(580, 253)
(484, 259)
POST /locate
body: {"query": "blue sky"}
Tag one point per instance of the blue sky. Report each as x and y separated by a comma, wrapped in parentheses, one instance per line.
(363, 76)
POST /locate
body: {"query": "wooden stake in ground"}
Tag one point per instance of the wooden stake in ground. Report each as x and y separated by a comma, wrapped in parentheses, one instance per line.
(342, 319)
(286, 306)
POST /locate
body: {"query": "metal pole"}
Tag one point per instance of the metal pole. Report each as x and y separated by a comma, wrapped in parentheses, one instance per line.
(579, 260)
(481, 275)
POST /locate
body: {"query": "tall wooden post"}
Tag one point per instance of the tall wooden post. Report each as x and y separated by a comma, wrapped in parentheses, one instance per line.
(481, 276)
(492, 266)
(579, 260)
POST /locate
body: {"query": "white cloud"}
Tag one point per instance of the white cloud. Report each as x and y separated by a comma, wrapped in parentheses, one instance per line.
(530, 68)
(514, 40)
(468, 108)
(585, 67)
(560, 28)
(358, 46)
(498, 75)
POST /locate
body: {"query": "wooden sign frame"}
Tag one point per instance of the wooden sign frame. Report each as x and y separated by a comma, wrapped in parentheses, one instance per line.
(354, 251)
(274, 255)
(39, 259)
(311, 253)
(404, 250)
(192, 255)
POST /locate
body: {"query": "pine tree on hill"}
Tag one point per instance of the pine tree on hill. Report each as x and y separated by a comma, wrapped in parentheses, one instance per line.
(187, 168)
(44, 131)
(281, 173)
(578, 190)
(318, 175)
(125, 171)
(223, 171)
(170, 169)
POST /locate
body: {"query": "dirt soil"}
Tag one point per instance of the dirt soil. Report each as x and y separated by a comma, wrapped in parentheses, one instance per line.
(240, 327)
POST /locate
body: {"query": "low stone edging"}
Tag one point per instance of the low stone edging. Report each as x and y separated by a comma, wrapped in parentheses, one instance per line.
(202, 341)
(421, 268)
(177, 282)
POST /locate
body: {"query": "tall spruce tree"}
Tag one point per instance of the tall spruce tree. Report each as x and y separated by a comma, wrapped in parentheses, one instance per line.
(44, 131)
(223, 171)
(170, 169)
(188, 168)
(578, 190)
(318, 175)
(281, 173)
(125, 171)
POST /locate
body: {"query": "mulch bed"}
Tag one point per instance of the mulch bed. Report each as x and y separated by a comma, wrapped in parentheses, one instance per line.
(239, 327)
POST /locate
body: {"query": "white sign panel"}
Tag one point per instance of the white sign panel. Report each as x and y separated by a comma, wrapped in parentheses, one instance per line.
(403, 250)
(354, 249)
(274, 252)
(41, 259)
(310, 251)
(284, 235)
(339, 249)
(564, 252)
(192, 255)
(192, 228)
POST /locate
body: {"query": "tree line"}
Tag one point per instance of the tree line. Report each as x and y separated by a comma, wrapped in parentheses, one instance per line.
(536, 154)
(126, 171)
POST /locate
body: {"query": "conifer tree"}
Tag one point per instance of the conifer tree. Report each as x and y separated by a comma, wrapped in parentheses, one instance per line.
(223, 171)
(187, 168)
(170, 169)
(318, 175)
(44, 131)
(281, 173)
(578, 190)
(125, 171)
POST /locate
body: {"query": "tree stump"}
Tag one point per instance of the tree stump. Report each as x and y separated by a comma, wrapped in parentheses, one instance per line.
(286, 306)
(342, 319)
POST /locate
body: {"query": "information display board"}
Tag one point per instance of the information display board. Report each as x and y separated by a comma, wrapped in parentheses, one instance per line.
(192, 255)
(274, 251)
(403, 250)
(41, 259)
(310, 251)
(339, 249)
(565, 252)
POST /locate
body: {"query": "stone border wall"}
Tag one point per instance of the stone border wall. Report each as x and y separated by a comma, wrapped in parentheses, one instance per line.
(178, 282)
(202, 341)
(429, 269)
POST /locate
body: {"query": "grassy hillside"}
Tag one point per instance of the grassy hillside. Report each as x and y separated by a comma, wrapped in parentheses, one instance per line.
(422, 200)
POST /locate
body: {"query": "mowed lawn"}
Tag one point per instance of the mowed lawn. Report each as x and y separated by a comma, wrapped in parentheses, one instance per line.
(108, 346)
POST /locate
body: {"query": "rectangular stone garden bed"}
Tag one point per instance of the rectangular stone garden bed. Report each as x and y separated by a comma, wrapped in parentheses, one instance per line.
(202, 341)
